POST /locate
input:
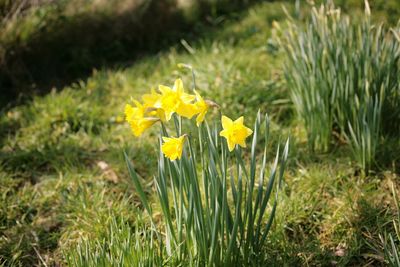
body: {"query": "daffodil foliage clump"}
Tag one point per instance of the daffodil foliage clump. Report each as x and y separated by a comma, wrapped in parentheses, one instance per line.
(217, 202)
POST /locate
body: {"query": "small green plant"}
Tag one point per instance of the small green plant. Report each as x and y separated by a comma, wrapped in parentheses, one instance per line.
(214, 206)
(122, 245)
(344, 78)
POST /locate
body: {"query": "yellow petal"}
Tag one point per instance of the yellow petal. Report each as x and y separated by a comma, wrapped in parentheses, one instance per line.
(186, 110)
(249, 131)
(187, 98)
(137, 103)
(226, 122)
(231, 145)
(164, 89)
(198, 96)
(181, 139)
(128, 112)
(152, 99)
(168, 115)
(224, 133)
(138, 126)
(242, 143)
(160, 113)
(239, 120)
(166, 139)
(200, 118)
(178, 86)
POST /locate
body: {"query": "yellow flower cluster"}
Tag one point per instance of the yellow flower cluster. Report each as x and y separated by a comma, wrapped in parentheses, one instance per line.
(160, 106)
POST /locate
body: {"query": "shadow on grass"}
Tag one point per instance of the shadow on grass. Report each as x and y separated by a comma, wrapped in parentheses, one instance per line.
(388, 156)
(302, 244)
(371, 219)
(51, 158)
(68, 155)
(67, 49)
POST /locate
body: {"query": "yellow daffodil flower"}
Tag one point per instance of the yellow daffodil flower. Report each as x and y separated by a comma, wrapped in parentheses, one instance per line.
(176, 100)
(173, 147)
(135, 117)
(235, 132)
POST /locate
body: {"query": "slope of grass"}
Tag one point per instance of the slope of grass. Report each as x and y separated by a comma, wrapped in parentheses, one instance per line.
(46, 44)
(63, 179)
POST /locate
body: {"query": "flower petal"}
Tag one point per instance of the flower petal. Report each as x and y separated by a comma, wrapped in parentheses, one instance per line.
(239, 120)
(164, 89)
(178, 86)
(242, 143)
(226, 122)
(186, 110)
(224, 133)
(231, 145)
(198, 96)
(249, 131)
(200, 118)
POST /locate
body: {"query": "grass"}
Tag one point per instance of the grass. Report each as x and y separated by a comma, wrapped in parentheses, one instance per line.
(64, 183)
(122, 244)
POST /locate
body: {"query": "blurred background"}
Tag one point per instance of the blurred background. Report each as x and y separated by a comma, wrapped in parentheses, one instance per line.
(47, 43)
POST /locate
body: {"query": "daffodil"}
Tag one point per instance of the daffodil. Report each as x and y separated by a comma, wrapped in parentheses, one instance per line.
(176, 100)
(173, 147)
(136, 119)
(235, 132)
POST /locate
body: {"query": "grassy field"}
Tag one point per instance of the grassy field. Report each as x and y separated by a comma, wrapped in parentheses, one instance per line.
(63, 178)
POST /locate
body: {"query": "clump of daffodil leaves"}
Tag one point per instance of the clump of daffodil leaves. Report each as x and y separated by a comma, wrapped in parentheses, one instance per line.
(213, 194)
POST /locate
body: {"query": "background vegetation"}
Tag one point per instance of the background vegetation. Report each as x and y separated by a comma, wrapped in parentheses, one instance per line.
(68, 68)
